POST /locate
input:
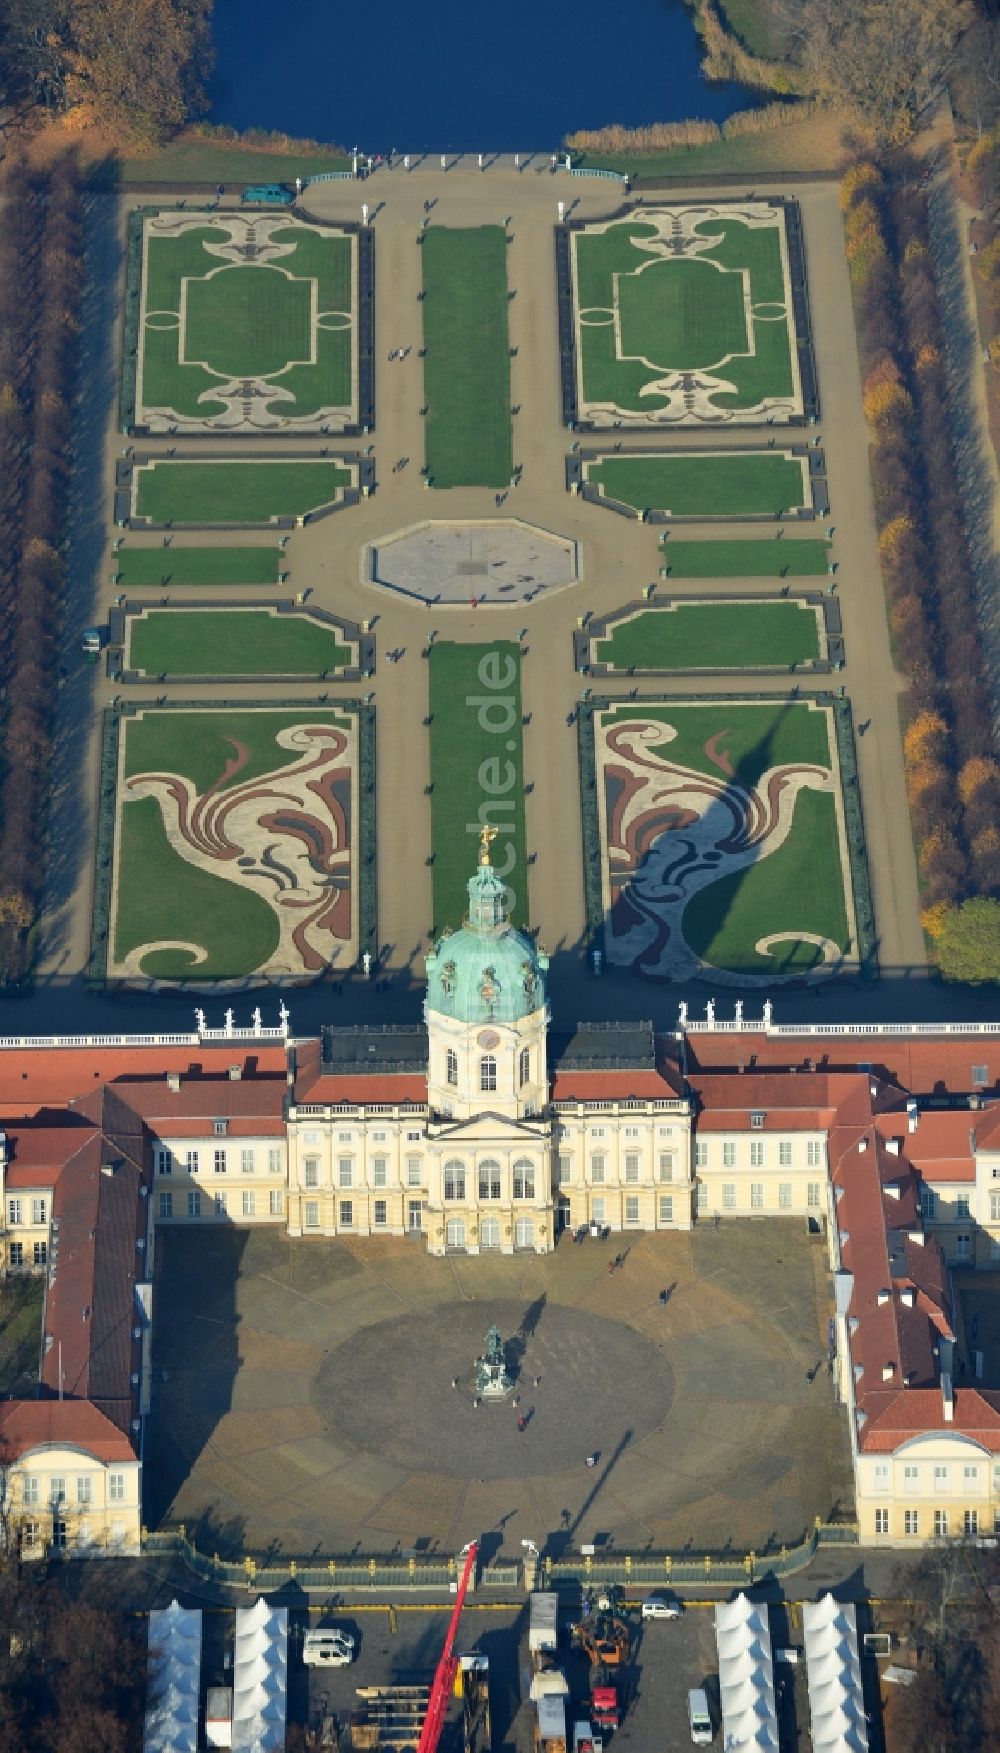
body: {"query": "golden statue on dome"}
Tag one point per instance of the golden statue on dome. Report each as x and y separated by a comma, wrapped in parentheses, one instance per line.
(487, 835)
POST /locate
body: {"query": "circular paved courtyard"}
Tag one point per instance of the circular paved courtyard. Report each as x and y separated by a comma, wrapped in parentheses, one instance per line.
(387, 1390)
(303, 1395)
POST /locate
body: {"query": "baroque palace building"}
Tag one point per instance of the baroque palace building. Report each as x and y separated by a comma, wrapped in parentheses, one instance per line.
(487, 1131)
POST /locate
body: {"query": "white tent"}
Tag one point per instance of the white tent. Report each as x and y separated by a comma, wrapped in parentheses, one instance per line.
(836, 1697)
(175, 1680)
(746, 1676)
(260, 1679)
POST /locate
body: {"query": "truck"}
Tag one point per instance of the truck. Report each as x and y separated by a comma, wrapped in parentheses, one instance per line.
(583, 1737)
(550, 1725)
(604, 1706)
(543, 1613)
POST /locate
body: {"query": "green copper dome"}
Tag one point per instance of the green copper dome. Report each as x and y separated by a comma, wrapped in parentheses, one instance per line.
(487, 971)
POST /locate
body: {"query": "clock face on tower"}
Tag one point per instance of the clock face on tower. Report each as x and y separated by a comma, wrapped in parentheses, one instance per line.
(487, 1039)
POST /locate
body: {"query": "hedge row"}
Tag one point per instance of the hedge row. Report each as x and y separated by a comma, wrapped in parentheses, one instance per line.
(952, 776)
(41, 276)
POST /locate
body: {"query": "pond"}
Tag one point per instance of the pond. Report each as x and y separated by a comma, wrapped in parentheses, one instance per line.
(449, 75)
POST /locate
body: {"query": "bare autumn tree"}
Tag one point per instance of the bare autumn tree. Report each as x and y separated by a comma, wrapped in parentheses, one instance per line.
(883, 58)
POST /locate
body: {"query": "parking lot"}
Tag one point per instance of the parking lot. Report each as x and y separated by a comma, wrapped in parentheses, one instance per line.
(401, 1646)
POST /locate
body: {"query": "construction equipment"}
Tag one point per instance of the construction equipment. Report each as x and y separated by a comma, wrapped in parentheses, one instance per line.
(605, 1638)
(475, 1671)
(444, 1676)
(604, 1713)
(391, 1718)
(550, 1725)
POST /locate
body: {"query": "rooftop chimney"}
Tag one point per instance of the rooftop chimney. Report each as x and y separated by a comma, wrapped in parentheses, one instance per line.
(235, 1073)
(912, 1115)
(894, 1146)
(947, 1400)
(173, 1081)
(884, 1296)
(888, 1371)
(862, 1144)
(908, 1296)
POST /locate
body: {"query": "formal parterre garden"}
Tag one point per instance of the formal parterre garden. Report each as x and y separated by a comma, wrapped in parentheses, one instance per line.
(467, 363)
(247, 323)
(728, 635)
(234, 642)
(708, 484)
(169, 490)
(235, 847)
(477, 772)
(722, 843)
(137, 568)
(684, 315)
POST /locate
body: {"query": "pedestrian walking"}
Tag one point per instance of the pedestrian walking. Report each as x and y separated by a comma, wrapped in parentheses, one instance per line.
(520, 1421)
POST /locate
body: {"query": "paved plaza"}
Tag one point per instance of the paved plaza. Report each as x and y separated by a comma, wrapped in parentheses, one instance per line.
(303, 1393)
(467, 565)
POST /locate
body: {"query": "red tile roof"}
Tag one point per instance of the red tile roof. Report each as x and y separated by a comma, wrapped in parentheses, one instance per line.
(364, 1086)
(32, 1424)
(613, 1086)
(924, 1065)
(31, 1077)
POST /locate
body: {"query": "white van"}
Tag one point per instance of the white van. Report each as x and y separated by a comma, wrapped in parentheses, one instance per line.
(699, 1720)
(329, 1647)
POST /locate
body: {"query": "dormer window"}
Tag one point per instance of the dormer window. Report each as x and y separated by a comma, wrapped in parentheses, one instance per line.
(756, 1118)
(220, 1128)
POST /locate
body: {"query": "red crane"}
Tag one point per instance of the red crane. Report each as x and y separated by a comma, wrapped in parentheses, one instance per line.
(447, 1668)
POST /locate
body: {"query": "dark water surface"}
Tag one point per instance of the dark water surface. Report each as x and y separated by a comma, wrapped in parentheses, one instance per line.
(460, 75)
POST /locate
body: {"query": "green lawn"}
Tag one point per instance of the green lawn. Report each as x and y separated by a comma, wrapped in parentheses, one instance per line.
(684, 311)
(232, 642)
(791, 558)
(708, 484)
(21, 1303)
(161, 895)
(199, 745)
(246, 321)
(199, 566)
(679, 313)
(193, 160)
(797, 887)
(467, 369)
(477, 771)
(752, 737)
(715, 636)
(225, 492)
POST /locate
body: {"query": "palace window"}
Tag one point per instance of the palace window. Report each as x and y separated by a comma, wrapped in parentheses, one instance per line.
(220, 1128)
(666, 1208)
(881, 1521)
(413, 1177)
(166, 1205)
(347, 1214)
(116, 1488)
(381, 1213)
(194, 1204)
(597, 1170)
(454, 1235)
(911, 1522)
(962, 1204)
(729, 1195)
(970, 1522)
(489, 1232)
(729, 1155)
(701, 1197)
(221, 1205)
(784, 1153)
(814, 1153)
(13, 1211)
(564, 1168)
(940, 1524)
(814, 1193)
(928, 1202)
(454, 1180)
(488, 1072)
(756, 1153)
(345, 1172)
(39, 1211)
(995, 1208)
(524, 1180)
(756, 1196)
(489, 1180)
(666, 1165)
(701, 1155)
(274, 1162)
(30, 1490)
(219, 1162)
(632, 1210)
(784, 1195)
(597, 1210)
(249, 1204)
(40, 1253)
(310, 1169)
(451, 1067)
(524, 1067)
(17, 1253)
(164, 1161)
(380, 1171)
(277, 1202)
(631, 1166)
(247, 1160)
(84, 1488)
(311, 1214)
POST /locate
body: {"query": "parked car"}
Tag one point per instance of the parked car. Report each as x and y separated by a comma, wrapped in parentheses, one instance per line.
(330, 1647)
(699, 1719)
(662, 1607)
